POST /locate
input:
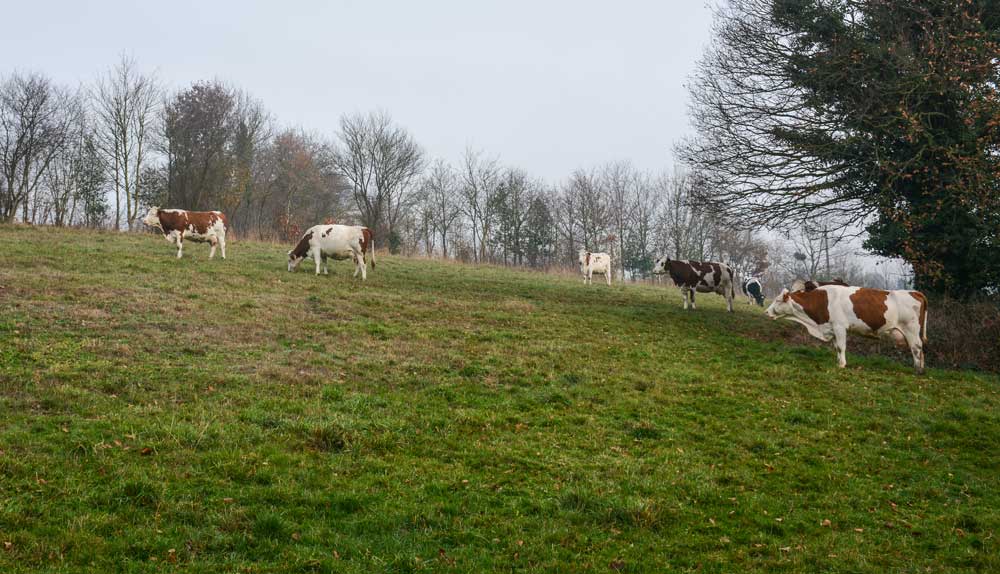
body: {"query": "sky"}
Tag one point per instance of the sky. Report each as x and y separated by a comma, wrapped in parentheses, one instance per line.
(549, 86)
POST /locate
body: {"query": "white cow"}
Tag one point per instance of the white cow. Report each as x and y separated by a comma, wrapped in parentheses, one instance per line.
(335, 242)
(830, 312)
(591, 263)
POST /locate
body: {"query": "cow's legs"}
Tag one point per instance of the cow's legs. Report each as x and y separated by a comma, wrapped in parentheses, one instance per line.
(729, 299)
(326, 269)
(607, 275)
(180, 245)
(222, 245)
(318, 258)
(214, 243)
(359, 265)
(840, 342)
(684, 294)
(916, 348)
(691, 293)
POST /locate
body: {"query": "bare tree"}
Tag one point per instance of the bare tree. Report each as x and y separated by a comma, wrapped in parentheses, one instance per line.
(296, 186)
(67, 172)
(620, 179)
(252, 130)
(479, 182)
(380, 161)
(441, 188)
(815, 248)
(125, 105)
(592, 207)
(642, 227)
(35, 122)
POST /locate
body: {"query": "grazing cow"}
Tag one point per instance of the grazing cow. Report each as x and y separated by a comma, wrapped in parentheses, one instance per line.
(335, 242)
(700, 276)
(754, 291)
(829, 312)
(591, 263)
(201, 226)
(809, 284)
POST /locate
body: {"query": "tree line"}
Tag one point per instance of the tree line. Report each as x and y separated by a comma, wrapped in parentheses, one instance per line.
(97, 155)
(904, 146)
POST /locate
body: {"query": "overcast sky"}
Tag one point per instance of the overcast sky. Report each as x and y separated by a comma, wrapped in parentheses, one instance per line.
(549, 86)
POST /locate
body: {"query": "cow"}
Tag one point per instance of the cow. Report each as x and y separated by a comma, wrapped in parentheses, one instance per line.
(179, 224)
(700, 276)
(754, 291)
(831, 311)
(335, 242)
(591, 263)
(809, 284)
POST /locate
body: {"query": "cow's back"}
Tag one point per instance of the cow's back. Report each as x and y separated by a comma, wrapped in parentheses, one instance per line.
(335, 239)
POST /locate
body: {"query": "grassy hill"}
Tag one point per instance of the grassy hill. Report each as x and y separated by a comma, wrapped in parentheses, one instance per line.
(228, 416)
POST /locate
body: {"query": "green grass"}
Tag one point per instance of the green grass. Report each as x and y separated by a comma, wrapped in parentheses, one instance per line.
(228, 416)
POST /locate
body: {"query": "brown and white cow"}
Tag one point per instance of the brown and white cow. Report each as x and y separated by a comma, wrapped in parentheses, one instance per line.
(700, 276)
(335, 242)
(591, 263)
(201, 226)
(830, 312)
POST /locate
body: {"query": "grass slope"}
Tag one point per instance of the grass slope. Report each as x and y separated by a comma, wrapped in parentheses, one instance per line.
(228, 416)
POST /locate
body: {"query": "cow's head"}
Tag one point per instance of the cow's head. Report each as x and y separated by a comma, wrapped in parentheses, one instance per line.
(152, 218)
(783, 305)
(294, 260)
(660, 266)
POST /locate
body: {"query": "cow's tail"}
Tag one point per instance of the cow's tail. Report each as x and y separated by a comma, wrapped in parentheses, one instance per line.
(370, 244)
(923, 319)
(732, 283)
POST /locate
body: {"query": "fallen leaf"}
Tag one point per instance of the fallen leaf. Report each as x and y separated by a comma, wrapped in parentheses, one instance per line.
(826, 522)
(296, 536)
(227, 500)
(617, 565)
(146, 451)
(859, 529)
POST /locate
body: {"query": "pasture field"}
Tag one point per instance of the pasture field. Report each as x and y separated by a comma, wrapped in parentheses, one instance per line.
(229, 416)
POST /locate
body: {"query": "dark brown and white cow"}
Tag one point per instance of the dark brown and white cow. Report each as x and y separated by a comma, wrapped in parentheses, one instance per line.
(591, 263)
(700, 276)
(179, 224)
(830, 312)
(335, 242)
